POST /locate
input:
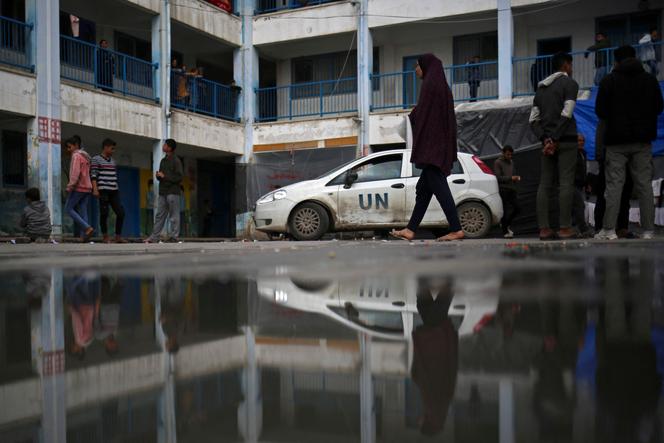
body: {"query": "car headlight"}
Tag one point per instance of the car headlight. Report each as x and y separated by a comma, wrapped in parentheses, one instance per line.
(272, 196)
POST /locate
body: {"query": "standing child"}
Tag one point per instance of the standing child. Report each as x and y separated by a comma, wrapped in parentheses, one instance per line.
(36, 218)
(104, 174)
(79, 187)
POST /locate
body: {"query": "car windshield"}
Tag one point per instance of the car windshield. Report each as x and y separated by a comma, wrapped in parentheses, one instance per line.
(335, 170)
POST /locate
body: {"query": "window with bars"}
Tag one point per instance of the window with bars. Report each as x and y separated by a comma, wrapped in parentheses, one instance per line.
(466, 48)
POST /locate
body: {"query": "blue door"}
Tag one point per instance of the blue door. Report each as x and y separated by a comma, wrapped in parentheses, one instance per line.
(128, 180)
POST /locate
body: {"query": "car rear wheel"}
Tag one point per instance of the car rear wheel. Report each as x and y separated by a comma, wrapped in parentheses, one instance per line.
(309, 221)
(475, 219)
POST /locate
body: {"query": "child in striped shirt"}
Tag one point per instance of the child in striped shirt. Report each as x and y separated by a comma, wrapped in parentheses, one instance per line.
(104, 175)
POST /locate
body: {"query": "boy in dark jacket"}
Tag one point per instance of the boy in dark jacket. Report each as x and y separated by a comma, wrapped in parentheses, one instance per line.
(552, 121)
(629, 100)
(170, 177)
(36, 218)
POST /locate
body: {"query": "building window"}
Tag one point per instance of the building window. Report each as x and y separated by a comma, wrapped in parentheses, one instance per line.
(303, 70)
(136, 47)
(14, 158)
(484, 46)
(328, 68)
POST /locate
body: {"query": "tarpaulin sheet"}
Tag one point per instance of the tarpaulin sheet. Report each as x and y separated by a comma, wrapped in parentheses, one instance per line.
(273, 170)
(586, 121)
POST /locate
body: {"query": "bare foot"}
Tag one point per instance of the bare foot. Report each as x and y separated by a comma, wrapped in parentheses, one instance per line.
(405, 234)
(458, 235)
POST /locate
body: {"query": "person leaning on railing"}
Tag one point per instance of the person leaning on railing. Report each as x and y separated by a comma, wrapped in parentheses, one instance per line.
(649, 50)
(601, 49)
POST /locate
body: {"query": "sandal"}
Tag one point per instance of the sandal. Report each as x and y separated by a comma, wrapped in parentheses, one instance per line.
(394, 234)
(452, 236)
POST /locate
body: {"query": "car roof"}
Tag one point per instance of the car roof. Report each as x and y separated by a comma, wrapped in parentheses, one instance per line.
(403, 150)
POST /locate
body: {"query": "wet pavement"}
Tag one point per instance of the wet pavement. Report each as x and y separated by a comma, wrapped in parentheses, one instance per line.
(482, 341)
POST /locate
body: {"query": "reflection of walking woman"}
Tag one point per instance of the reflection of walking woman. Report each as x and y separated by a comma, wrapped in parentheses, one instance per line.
(434, 147)
(435, 353)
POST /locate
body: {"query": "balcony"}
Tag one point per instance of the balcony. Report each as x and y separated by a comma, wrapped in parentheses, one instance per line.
(469, 83)
(108, 70)
(202, 96)
(529, 71)
(15, 43)
(307, 99)
(267, 6)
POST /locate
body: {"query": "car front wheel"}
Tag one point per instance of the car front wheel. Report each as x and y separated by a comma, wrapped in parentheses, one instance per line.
(309, 221)
(475, 219)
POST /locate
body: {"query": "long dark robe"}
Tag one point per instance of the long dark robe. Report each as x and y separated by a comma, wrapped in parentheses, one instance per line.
(433, 120)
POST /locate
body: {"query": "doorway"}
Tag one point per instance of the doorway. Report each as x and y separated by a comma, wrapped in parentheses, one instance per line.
(216, 187)
(551, 46)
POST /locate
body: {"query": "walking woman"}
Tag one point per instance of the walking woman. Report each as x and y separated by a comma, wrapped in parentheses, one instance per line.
(434, 147)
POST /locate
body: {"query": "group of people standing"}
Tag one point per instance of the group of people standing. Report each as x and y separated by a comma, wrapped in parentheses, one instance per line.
(97, 177)
(629, 101)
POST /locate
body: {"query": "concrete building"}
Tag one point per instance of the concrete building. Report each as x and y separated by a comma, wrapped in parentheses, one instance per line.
(321, 82)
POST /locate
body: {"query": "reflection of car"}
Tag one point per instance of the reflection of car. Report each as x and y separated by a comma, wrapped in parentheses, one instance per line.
(378, 192)
(384, 307)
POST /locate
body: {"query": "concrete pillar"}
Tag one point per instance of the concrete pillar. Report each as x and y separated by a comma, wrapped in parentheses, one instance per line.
(367, 410)
(250, 411)
(505, 48)
(44, 130)
(506, 411)
(246, 75)
(161, 54)
(51, 365)
(166, 421)
(364, 70)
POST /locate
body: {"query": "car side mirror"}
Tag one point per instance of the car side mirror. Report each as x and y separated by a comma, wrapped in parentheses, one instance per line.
(351, 177)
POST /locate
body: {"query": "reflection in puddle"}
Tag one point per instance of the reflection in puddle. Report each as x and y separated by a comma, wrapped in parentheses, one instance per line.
(549, 354)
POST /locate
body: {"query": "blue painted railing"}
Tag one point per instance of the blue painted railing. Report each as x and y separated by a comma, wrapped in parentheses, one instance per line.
(307, 99)
(469, 82)
(105, 69)
(266, 6)
(203, 96)
(15, 43)
(588, 67)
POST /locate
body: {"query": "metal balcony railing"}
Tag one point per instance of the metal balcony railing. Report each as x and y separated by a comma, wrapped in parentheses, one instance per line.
(266, 6)
(203, 96)
(588, 67)
(469, 82)
(105, 69)
(15, 43)
(307, 99)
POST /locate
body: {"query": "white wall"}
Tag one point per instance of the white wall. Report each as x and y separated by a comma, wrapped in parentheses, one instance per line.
(17, 93)
(303, 23)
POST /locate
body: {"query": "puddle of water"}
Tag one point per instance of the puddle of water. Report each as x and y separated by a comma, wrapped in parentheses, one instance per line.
(572, 350)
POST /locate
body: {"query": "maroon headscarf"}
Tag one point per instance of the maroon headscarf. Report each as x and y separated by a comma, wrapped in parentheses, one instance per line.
(433, 120)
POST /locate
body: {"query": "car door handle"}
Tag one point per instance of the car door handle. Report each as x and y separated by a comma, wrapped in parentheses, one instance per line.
(398, 186)
(459, 181)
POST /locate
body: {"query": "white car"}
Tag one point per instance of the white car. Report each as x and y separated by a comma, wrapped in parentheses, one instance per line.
(383, 307)
(377, 192)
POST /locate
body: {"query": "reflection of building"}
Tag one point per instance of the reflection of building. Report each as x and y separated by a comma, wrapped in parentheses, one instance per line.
(252, 369)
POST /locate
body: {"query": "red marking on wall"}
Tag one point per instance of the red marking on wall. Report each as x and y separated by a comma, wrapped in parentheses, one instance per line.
(53, 363)
(49, 130)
